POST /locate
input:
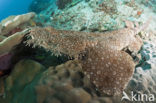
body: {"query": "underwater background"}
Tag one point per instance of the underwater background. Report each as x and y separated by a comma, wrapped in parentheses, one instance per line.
(77, 51)
(13, 7)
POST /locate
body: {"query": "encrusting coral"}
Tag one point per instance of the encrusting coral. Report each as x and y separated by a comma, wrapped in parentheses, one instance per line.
(102, 55)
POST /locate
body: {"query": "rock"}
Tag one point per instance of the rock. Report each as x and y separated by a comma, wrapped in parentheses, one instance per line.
(94, 15)
(23, 73)
(61, 84)
(143, 80)
(66, 83)
(11, 35)
(21, 81)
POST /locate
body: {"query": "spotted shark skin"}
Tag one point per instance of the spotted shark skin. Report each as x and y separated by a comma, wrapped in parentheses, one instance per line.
(101, 55)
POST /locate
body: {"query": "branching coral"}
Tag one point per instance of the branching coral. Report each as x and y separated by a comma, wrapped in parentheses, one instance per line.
(100, 54)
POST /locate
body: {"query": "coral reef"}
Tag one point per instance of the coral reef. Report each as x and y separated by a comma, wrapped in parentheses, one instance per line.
(102, 50)
(7, 44)
(55, 84)
(95, 15)
(20, 67)
(64, 83)
(12, 22)
(93, 59)
(108, 7)
(12, 31)
(16, 82)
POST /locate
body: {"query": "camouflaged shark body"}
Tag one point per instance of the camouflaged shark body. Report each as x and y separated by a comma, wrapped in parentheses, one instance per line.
(102, 55)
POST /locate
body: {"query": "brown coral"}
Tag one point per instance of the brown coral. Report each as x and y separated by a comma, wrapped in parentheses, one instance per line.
(101, 54)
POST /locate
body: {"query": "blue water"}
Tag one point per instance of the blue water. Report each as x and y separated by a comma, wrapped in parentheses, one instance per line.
(13, 7)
